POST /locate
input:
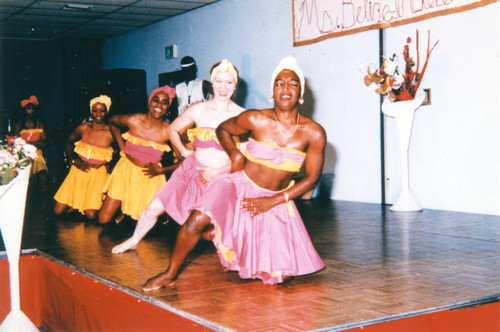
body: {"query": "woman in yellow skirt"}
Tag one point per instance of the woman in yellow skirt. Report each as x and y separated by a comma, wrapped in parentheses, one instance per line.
(31, 129)
(138, 174)
(89, 149)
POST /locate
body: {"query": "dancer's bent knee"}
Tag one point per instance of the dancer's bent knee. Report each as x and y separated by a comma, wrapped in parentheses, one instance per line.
(198, 222)
(153, 210)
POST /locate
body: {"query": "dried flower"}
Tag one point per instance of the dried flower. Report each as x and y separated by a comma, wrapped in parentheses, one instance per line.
(14, 157)
(397, 85)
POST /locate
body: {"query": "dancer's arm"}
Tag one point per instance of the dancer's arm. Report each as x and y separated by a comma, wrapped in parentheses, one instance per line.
(183, 121)
(115, 123)
(236, 126)
(72, 157)
(153, 170)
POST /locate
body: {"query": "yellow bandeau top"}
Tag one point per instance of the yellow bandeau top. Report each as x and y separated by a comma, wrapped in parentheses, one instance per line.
(273, 156)
(89, 151)
(208, 137)
(146, 143)
(31, 131)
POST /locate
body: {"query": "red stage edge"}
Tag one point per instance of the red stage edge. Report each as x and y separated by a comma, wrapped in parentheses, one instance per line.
(481, 315)
(59, 298)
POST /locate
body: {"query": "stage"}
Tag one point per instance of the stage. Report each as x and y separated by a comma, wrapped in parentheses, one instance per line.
(382, 267)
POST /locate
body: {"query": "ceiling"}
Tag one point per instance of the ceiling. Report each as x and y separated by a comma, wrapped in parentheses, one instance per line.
(84, 19)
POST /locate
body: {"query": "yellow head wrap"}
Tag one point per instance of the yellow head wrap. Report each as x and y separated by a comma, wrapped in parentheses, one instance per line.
(289, 63)
(103, 99)
(226, 66)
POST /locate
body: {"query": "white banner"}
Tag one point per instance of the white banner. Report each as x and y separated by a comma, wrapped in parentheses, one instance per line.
(316, 20)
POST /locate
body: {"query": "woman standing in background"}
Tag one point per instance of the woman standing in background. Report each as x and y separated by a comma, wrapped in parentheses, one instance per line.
(32, 130)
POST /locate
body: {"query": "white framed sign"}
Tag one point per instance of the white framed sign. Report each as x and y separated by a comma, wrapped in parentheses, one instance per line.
(316, 20)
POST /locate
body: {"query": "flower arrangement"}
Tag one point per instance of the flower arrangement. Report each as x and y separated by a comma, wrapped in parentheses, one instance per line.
(14, 156)
(400, 86)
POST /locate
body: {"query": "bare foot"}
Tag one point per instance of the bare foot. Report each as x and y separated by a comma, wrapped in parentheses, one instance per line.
(159, 281)
(124, 246)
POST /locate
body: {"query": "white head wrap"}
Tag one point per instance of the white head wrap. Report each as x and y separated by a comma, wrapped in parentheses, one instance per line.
(289, 63)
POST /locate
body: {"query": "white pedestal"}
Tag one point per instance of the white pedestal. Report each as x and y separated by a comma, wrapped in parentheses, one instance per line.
(403, 112)
(12, 205)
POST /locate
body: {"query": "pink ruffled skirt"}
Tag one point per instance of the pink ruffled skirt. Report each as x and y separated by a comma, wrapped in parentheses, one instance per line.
(182, 190)
(268, 246)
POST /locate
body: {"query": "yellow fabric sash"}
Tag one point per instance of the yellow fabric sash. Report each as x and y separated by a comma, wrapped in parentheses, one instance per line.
(203, 134)
(89, 151)
(31, 131)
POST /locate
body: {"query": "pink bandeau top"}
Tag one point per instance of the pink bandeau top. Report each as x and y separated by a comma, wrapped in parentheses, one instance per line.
(273, 156)
(143, 149)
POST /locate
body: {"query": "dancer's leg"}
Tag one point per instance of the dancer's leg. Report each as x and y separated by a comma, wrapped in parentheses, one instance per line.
(91, 214)
(146, 221)
(189, 235)
(60, 208)
(108, 209)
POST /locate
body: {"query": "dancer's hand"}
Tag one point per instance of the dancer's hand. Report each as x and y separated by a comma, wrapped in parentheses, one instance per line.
(152, 170)
(258, 205)
(80, 164)
(186, 153)
(207, 174)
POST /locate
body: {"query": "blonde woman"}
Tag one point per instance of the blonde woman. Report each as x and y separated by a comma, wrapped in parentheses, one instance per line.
(201, 164)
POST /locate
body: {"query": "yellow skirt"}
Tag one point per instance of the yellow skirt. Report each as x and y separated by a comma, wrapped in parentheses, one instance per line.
(83, 190)
(135, 190)
(39, 163)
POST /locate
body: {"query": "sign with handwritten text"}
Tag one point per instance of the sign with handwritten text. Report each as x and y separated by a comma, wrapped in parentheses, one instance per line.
(316, 20)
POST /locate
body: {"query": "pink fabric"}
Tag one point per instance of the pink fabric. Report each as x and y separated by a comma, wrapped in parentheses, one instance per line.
(93, 161)
(274, 154)
(182, 190)
(143, 153)
(273, 241)
(197, 143)
(168, 90)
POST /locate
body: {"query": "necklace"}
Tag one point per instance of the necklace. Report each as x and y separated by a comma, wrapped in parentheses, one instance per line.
(279, 127)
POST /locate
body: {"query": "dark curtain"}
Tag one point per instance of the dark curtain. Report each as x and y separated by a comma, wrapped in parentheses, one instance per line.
(81, 67)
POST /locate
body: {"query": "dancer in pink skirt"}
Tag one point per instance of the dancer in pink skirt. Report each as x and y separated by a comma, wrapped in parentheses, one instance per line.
(258, 230)
(201, 165)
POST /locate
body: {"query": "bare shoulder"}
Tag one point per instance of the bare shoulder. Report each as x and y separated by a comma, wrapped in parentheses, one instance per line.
(198, 107)
(235, 108)
(193, 111)
(257, 113)
(136, 119)
(84, 127)
(165, 125)
(314, 130)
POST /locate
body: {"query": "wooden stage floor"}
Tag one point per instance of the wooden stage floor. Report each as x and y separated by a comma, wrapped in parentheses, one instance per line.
(380, 266)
